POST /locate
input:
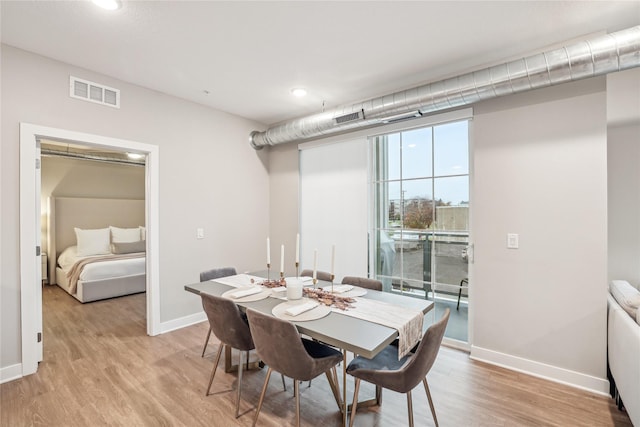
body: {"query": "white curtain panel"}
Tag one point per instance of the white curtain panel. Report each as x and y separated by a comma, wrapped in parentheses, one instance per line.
(334, 207)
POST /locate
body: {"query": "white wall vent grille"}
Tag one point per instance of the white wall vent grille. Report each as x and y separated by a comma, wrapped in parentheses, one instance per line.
(93, 92)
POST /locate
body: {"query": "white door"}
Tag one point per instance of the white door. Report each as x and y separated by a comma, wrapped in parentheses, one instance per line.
(38, 225)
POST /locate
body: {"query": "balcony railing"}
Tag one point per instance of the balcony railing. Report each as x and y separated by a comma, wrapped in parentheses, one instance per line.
(428, 263)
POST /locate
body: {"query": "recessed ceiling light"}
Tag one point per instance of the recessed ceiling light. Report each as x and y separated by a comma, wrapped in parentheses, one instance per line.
(135, 156)
(299, 92)
(108, 4)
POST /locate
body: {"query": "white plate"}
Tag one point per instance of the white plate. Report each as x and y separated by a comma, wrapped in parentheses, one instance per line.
(317, 312)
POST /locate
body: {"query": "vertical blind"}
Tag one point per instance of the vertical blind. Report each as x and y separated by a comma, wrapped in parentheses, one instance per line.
(334, 206)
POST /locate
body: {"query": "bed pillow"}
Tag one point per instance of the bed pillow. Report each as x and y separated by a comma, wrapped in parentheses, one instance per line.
(93, 242)
(128, 247)
(124, 235)
(626, 295)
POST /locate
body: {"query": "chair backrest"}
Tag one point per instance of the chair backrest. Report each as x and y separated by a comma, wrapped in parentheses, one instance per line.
(419, 365)
(363, 282)
(279, 345)
(227, 322)
(216, 273)
(320, 275)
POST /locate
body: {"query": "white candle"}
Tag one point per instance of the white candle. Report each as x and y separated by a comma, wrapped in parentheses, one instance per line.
(297, 248)
(282, 259)
(268, 252)
(333, 259)
(315, 264)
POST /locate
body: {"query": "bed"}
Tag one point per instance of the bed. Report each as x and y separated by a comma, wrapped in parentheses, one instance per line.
(76, 237)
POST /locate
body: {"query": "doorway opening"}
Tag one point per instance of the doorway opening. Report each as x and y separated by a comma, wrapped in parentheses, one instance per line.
(30, 229)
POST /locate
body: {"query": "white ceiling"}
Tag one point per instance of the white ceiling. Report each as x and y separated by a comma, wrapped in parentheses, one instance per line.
(248, 55)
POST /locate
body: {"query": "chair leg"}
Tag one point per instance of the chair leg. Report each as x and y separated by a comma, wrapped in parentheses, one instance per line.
(264, 390)
(433, 409)
(206, 342)
(335, 388)
(354, 405)
(239, 384)
(296, 392)
(410, 408)
(215, 366)
(284, 385)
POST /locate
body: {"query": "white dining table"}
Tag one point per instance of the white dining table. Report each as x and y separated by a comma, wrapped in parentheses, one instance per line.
(362, 337)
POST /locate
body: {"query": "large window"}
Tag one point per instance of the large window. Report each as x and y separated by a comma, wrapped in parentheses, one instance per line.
(421, 199)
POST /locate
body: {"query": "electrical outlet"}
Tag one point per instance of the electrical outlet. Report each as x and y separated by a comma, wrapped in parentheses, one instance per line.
(512, 241)
(200, 233)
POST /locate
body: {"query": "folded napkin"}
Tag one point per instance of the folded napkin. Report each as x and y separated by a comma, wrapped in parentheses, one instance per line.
(245, 292)
(305, 279)
(279, 289)
(338, 289)
(301, 308)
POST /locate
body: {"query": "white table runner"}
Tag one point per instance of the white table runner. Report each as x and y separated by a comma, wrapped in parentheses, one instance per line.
(407, 321)
(239, 280)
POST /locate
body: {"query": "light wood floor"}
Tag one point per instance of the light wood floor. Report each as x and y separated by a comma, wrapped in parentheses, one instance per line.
(100, 368)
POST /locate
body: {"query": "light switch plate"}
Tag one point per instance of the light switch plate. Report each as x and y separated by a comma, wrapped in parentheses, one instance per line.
(200, 233)
(512, 241)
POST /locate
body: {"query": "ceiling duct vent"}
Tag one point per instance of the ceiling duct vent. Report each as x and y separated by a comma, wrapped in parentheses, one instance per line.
(94, 92)
(358, 115)
(401, 117)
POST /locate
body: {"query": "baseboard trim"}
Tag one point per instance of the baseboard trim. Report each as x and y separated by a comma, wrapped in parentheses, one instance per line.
(182, 322)
(10, 373)
(589, 383)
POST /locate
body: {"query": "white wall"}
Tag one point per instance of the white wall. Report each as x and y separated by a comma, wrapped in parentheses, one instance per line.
(540, 171)
(65, 177)
(210, 177)
(623, 136)
(282, 208)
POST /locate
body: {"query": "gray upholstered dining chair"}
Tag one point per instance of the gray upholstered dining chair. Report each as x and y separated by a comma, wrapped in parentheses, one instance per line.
(320, 275)
(212, 274)
(232, 329)
(386, 371)
(363, 282)
(283, 350)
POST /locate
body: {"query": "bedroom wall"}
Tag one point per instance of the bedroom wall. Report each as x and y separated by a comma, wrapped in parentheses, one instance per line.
(623, 137)
(201, 152)
(65, 177)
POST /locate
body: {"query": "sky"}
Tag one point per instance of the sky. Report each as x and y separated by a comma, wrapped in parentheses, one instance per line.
(430, 160)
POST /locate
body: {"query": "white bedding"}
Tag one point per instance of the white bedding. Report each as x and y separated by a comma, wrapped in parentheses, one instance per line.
(102, 270)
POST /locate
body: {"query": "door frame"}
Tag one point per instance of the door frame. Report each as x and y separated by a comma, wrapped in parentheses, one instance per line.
(29, 134)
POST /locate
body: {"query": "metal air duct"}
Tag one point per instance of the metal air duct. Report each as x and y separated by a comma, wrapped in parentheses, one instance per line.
(589, 58)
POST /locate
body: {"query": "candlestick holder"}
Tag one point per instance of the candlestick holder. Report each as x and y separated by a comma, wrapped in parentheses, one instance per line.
(297, 269)
(332, 277)
(268, 272)
(281, 275)
(315, 283)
